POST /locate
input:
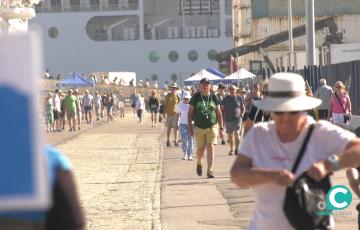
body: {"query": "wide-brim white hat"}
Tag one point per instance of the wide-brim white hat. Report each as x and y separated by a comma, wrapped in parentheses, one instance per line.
(287, 93)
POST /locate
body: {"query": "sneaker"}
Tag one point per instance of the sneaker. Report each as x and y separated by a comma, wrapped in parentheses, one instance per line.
(185, 157)
(97, 119)
(176, 143)
(236, 152)
(190, 158)
(223, 142)
(230, 153)
(199, 169)
(168, 144)
(210, 174)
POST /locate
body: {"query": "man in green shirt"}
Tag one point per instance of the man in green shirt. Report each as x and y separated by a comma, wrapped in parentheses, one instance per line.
(206, 113)
(70, 108)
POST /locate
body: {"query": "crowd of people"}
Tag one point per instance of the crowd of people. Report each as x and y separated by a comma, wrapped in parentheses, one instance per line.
(75, 107)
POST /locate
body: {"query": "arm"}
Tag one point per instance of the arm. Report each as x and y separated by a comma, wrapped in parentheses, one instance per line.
(350, 158)
(220, 121)
(330, 107)
(190, 124)
(244, 174)
(348, 104)
(247, 125)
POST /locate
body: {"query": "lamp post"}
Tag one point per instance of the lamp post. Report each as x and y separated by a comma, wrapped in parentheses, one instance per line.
(290, 25)
(310, 32)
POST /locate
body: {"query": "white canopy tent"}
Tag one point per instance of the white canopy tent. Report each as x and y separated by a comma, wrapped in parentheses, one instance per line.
(195, 79)
(241, 74)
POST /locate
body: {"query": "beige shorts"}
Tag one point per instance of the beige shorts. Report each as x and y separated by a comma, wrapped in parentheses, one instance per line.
(207, 136)
(171, 121)
(70, 115)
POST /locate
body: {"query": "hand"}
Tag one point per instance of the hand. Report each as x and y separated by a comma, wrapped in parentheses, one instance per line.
(190, 130)
(221, 134)
(319, 170)
(283, 177)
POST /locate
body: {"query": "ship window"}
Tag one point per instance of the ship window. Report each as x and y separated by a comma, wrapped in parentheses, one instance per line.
(212, 55)
(154, 77)
(174, 77)
(228, 7)
(113, 28)
(94, 4)
(173, 56)
(154, 56)
(193, 55)
(53, 32)
(74, 5)
(229, 28)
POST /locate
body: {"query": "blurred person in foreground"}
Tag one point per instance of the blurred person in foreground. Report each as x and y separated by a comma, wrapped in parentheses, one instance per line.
(206, 112)
(269, 150)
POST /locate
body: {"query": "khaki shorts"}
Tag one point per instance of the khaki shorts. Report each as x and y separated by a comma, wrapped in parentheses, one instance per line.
(171, 121)
(207, 136)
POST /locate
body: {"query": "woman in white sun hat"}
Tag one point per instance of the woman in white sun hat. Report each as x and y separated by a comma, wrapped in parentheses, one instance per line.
(269, 150)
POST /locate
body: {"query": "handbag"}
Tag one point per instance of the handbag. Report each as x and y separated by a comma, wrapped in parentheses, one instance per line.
(301, 205)
(346, 116)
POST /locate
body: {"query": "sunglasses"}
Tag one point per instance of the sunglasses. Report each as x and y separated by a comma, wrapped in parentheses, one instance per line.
(338, 86)
(231, 89)
(291, 113)
(265, 93)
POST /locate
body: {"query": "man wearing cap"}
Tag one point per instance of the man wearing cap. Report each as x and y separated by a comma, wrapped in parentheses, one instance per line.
(269, 149)
(324, 92)
(221, 94)
(170, 103)
(205, 111)
(233, 108)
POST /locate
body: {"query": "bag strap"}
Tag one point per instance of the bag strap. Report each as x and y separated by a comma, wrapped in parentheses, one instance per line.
(302, 149)
(340, 103)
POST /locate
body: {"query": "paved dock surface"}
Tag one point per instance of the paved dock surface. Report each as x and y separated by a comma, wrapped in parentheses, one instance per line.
(128, 179)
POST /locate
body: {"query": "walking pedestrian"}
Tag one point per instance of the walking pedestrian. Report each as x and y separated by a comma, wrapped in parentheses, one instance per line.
(49, 113)
(205, 110)
(182, 111)
(323, 92)
(88, 102)
(140, 107)
(56, 111)
(256, 114)
(70, 102)
(269, 150)
(154, 103)
(233, 108)
(98, 105)
(121, 103)
(170, 103)
(340, 105)
(221, 94)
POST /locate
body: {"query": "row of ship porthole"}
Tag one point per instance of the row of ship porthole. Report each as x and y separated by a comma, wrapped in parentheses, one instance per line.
(174, 56)
(153, 55)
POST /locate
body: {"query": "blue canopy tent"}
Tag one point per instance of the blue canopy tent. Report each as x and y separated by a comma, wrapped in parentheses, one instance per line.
(195, 79)
(215, 72)
(74, 80)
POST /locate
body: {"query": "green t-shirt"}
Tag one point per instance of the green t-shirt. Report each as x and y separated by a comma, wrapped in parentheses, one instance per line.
(204, 110)
(70, 103)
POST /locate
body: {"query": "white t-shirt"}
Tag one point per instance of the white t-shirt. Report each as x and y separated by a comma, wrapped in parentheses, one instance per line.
(264, 147)
(88, 100)
(183, 109)
(56, 102)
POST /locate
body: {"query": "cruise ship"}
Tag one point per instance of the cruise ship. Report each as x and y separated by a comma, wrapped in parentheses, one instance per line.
(163, 40)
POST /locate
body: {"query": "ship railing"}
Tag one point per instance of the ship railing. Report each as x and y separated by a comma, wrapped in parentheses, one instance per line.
(176, 32)
(102, 6)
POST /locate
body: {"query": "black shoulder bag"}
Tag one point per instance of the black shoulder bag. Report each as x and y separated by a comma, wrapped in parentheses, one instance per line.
(301, 204)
